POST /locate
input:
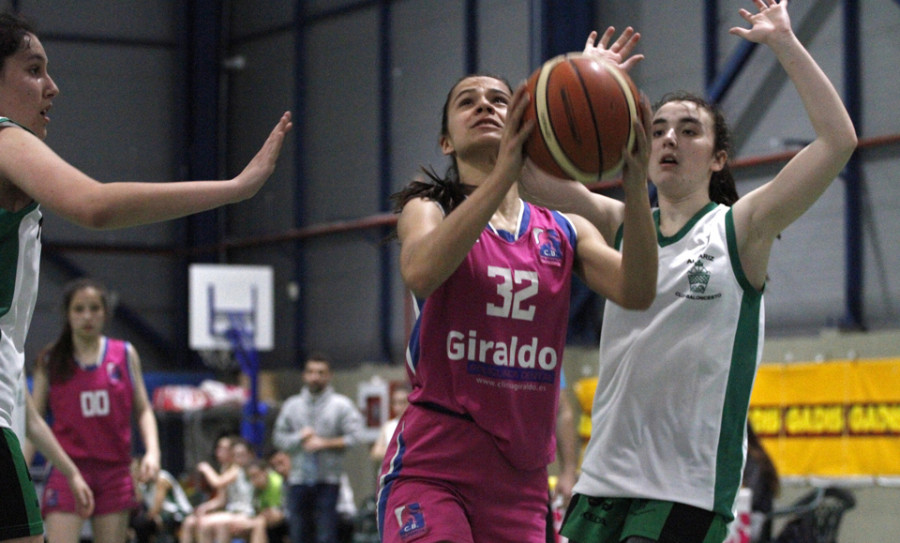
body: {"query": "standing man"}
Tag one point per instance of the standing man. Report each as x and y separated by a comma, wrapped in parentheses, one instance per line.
(315, 427)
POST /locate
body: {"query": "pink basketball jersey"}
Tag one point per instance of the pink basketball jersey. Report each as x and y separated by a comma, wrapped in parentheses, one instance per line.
(489, 341)
(92, 409)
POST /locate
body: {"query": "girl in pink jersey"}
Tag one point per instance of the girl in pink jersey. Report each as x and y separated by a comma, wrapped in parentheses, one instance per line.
(92, 385)
(490, 274)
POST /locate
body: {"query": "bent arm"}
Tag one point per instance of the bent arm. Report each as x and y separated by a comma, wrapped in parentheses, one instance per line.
(762, 214)
(432, 246)
(60, 187)
(609, 273)
(629, 278)
(216, 480)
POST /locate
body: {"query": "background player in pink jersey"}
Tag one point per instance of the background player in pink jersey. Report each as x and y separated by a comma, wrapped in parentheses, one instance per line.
(92, 385)
(491, 277)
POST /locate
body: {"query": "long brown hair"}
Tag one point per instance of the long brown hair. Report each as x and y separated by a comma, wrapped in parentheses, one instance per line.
(58, 358)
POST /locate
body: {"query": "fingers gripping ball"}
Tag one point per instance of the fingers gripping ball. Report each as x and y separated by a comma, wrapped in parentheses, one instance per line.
(584, 109)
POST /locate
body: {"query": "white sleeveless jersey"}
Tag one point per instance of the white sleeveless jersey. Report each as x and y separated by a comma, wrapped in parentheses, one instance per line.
(670, 410)
(20, 252)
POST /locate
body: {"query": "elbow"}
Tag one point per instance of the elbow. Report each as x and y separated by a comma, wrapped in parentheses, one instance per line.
(94, 216)
(419, 284)
(639, 299)
(850, 143)
(844, 143)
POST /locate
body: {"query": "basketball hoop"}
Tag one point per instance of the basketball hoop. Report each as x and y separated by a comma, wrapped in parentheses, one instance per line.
(218, 359)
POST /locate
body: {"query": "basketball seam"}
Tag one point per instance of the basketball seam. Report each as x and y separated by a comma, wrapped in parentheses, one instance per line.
(632, 112)
(590, 104)
(545, 124)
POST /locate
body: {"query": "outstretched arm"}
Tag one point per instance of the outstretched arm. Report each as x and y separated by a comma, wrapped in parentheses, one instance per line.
(40, 173)
(763, 213)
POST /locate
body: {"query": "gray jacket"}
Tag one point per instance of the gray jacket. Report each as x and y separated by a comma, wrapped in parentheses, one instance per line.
(330, 415)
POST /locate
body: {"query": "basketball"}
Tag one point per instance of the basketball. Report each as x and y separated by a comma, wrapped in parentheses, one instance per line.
(584, 108)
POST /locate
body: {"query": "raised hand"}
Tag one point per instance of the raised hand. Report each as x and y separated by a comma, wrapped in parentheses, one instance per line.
(510, 156)
(771, 20)
(262, 165)
(637, 159)
(619, 53)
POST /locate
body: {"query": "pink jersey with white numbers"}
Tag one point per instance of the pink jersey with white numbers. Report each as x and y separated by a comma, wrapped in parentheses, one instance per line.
(92, 409)
(489, 341)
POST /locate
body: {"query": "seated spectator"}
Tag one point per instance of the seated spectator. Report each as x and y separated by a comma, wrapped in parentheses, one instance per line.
(229, 487)
(268, 524)
(163, 507)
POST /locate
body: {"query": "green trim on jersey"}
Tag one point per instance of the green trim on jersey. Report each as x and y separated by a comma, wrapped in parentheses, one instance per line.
(740, 382)
(20, 502)
(8, 120)
(688, 226)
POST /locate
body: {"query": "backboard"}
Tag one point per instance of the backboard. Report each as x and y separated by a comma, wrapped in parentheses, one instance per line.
(222, 296)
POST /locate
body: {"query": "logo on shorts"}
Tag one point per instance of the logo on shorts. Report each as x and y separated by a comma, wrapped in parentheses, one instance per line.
(411, 520)
(51, 498)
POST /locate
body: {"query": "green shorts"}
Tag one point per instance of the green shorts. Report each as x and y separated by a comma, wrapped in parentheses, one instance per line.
(20, 513)
(611, 520)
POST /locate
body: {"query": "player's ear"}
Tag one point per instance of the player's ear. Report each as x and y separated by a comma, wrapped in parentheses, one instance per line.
(446, 145)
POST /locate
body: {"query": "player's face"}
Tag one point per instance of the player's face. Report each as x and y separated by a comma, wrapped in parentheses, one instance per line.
(26, 89)
(87, 313)
(682, 155)
(476, 113)
(316, 376)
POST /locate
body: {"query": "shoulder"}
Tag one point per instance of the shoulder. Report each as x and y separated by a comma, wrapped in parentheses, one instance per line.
(418, 211)
(342, 400)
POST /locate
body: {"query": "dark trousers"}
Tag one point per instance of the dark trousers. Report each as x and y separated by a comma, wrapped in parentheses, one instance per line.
(313, 516)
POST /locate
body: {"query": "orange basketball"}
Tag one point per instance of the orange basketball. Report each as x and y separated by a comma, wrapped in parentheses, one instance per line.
(584, 109)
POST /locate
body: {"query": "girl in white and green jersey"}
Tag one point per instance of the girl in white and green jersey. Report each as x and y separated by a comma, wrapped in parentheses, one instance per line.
(665, 456)
(33, 176)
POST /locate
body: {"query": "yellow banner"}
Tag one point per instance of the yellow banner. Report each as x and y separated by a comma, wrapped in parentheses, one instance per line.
(839, 418)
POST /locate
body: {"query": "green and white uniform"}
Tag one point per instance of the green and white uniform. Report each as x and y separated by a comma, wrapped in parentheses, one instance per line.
(670, 410)
(20, 252)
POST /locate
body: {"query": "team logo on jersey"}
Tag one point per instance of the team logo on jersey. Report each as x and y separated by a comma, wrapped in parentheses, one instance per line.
(411, 519)
(115, 374)
(698, 278)
(549, 246)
